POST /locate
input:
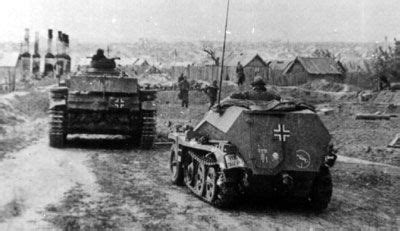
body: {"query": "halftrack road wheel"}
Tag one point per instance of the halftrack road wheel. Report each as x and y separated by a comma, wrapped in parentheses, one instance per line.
(211, 185)
(322, 190)
(200, 179)
(176, 168)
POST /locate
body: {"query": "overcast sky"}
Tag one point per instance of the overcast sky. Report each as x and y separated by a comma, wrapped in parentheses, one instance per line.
(253, 20)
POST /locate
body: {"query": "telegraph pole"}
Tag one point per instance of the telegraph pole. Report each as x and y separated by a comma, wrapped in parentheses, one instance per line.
(223, 56)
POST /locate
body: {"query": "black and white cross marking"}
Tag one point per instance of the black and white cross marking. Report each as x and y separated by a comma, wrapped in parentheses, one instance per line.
(281, 133)
(119, 103)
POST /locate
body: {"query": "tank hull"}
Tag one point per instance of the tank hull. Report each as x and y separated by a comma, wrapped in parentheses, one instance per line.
(103, 122)
(102, 102)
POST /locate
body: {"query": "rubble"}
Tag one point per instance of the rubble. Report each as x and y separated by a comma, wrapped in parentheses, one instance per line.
(372, 117)
(395, 143)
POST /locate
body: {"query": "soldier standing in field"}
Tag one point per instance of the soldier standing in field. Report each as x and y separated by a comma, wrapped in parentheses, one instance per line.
(184, 87)
(212, 92)
(240, 75)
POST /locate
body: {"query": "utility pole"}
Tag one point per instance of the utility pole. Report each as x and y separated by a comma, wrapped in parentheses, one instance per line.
(223, 56)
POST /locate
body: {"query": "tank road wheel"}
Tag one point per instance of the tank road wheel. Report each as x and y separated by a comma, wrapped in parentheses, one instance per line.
(176, 168)
(211, 185)
(321, 190)
(57, 133)
(148, 129)
(200, 179)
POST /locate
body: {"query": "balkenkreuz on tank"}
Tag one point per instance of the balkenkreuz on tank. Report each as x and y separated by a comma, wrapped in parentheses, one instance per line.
(254, 142)
(102, 100)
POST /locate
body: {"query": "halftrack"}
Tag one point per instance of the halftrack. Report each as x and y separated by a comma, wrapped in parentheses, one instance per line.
(251, 147)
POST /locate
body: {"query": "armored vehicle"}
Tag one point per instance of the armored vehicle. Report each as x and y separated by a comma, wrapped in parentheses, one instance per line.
(273, 148)
(102, 100)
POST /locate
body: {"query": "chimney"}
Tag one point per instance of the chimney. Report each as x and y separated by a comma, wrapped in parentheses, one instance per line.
(58, 43)
(64, 43)
(26, 57)
(26, 39)
(49, 40)
(59, 56)
(49, 58)
(36, 57)
(67, 57)
(36, 46)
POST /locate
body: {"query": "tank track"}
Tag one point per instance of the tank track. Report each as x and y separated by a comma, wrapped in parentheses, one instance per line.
(148, 128)
(222, 195)
(57, 133)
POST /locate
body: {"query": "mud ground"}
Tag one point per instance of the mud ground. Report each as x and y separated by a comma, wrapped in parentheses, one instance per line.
(99, 183)
(136, 193)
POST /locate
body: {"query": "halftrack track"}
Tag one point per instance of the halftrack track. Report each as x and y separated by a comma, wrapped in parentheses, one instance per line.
(202, 175)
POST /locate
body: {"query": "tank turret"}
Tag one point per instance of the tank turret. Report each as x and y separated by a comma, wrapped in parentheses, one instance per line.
(100, 61)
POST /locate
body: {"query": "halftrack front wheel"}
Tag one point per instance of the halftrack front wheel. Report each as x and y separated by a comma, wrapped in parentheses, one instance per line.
(57, 133)
(321, 190)
(188, 175)
(176, 168)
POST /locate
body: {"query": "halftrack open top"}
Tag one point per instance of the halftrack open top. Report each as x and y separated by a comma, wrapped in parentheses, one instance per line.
(274, 148)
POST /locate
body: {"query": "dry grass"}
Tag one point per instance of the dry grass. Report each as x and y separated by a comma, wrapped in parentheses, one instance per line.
(21, 121)
(33, 105)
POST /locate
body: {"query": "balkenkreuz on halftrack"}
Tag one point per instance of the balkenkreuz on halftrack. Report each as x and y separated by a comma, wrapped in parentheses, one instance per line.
(254, 142)
(102, 100)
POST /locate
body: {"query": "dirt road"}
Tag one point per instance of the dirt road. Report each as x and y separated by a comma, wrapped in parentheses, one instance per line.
(101, 183)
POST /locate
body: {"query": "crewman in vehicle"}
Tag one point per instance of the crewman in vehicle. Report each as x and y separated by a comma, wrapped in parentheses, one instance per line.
(240, 75)
(99, 55)
(258, 92)
(212, 92)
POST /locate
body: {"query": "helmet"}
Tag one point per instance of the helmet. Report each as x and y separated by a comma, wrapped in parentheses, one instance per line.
(258, 81)
(100, 52)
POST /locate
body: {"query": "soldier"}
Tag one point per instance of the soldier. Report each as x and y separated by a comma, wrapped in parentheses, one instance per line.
(99, 55)
(212, 92)
(383, 82)
(184, 92)
(240, 74)
(258, 92)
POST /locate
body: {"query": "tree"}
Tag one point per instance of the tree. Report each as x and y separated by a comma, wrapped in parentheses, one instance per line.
(211, 52)
(323, 53)
(386, 64)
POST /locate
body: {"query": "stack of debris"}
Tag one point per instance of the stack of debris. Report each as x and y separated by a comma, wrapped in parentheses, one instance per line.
(395, 143)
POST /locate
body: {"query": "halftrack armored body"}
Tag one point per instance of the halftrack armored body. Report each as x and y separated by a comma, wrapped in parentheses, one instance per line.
(102, 100)
(272, 148)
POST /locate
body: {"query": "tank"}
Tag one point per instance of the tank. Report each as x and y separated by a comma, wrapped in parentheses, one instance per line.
(102, 100)
(253, 147)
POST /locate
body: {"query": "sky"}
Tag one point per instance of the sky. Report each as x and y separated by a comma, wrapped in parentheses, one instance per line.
(192, 20)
